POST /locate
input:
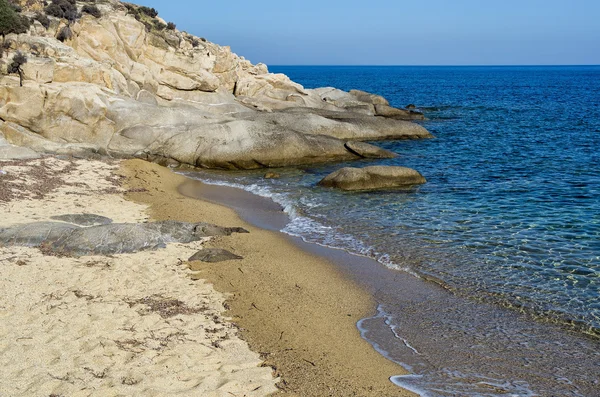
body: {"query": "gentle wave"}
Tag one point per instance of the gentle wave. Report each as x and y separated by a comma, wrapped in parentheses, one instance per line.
(306, 228)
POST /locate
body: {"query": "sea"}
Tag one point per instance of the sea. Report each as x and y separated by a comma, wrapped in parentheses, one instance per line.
(506, 231)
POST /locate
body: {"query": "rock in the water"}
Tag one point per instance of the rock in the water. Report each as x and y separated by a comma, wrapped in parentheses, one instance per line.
(214, 255)
(398, 114)
(118, 238)
(370, 178)
(83, 219)
(272, 175)
(411, 106)
(368, 151)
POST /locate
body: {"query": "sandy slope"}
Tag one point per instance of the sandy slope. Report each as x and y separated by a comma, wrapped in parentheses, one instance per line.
(132, 325)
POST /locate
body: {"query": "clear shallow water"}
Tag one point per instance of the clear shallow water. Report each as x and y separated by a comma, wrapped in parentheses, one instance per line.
(511, 210)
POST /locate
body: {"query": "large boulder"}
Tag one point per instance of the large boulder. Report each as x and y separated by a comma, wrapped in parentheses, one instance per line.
(233, 144)
(371, 178)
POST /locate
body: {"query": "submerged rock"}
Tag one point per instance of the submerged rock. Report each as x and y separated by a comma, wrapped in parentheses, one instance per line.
(371, 178)
(118, 238)
(214, 255)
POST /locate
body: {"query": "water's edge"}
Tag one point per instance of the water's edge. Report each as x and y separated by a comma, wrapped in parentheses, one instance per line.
(417, 320)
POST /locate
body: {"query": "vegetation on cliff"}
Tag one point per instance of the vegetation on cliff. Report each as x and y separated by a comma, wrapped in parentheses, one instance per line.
(10, 20)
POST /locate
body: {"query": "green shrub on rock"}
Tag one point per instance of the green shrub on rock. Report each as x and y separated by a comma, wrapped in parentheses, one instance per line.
(64, 34)
(11, 21)
(92, 10)
(151, 12)
(62, 9)
(158, 25)
(15, 66)
(43, 19)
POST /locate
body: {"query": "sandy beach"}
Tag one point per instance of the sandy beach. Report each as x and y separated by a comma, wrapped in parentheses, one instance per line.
(130, 324)
(151, 323)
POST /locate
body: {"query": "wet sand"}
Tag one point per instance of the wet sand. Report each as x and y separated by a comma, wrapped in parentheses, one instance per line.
(455, 345)
(297, 309)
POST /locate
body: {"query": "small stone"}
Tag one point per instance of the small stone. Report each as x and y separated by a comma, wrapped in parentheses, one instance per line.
(272, 175)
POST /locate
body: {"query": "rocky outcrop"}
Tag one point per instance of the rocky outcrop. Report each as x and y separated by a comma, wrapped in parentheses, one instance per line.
(371, 178)
(124, 86)
(80, 118)
(68, 239)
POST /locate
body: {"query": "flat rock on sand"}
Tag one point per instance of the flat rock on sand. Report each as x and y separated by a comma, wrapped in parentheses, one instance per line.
(118, 238)
(83, 219)
(214, 255)
(371, 178)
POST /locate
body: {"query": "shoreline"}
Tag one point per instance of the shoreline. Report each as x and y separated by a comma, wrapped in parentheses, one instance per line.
(442, 326)
(296, 308)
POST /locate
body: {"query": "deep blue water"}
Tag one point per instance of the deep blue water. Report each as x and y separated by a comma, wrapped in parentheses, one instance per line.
(511, 210)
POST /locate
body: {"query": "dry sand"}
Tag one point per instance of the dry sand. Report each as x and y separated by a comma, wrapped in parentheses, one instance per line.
(125, 325)
(294, 308)
(147, 324)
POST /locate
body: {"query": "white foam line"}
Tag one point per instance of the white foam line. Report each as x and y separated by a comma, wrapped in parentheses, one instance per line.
(295, 220)
(397, 380)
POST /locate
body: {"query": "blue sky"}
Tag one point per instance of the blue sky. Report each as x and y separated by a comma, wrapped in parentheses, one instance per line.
(433, 32)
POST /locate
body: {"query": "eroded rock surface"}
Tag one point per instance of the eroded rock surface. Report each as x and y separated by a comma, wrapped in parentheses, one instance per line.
(123, 86)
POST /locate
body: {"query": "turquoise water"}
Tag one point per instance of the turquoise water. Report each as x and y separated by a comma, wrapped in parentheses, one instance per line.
(511, 211)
